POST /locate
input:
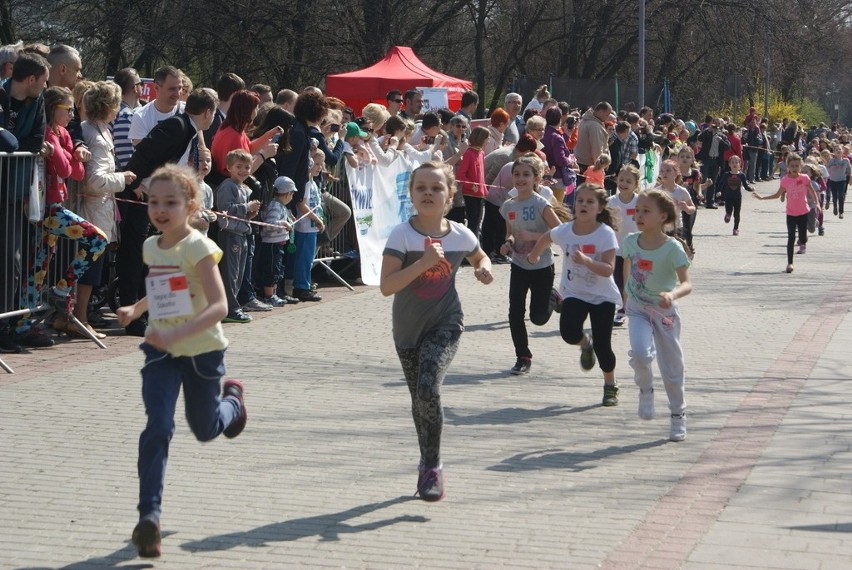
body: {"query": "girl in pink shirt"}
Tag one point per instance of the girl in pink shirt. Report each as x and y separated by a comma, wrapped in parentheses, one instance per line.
(795, 187)
(471, 176)
(60, 222)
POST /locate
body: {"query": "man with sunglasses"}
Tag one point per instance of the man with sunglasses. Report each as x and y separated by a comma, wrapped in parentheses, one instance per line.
(131, 92)
(394, 100)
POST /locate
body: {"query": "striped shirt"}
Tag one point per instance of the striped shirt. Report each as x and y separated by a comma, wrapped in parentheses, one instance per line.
(121, 136)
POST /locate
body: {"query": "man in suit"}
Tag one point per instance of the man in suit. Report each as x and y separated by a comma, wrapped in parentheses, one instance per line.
(174, 140)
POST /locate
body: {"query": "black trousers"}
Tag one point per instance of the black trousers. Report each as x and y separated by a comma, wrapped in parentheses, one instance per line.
(539, 283)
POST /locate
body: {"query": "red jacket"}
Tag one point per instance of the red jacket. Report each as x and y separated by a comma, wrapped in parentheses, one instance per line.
(735, 150)
(471, 173)
(60, 165)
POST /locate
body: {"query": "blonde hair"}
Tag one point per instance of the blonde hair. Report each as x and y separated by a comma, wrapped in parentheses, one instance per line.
(237, 155)
(632, 171)
(102, 100)
(79, 91)
(185, 179)
(376, 114)
(603, 160)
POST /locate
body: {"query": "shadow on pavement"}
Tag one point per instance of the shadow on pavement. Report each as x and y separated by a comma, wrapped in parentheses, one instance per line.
(328, 527)
(836, 527)
(558, 459)
(509, 416)
(115, 560)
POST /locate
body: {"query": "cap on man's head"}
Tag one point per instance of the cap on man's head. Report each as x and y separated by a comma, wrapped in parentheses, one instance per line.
(353, 130)
(283, 185)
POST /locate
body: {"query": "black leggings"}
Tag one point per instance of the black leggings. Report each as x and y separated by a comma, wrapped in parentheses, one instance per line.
(794, 222)
(424, 368)
(574, 313)
(837, 189)
(539, 283)
(733, 203)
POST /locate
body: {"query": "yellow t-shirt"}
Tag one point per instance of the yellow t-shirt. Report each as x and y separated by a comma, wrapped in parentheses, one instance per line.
(183, 257)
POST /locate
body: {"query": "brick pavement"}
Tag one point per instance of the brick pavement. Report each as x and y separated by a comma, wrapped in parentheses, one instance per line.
(538, 474)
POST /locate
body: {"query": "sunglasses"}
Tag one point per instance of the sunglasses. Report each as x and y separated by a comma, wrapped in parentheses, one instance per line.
(69, 108)
(396, 100)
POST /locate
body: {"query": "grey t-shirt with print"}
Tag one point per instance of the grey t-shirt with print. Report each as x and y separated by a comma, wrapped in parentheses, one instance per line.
(431, 301)
(526, 216)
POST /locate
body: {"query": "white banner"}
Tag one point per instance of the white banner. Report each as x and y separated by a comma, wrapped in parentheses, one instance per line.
(649, 169)
(434, 98)
(380, 201)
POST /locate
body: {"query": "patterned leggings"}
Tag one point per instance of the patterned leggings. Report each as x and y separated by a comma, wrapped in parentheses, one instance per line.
(59, 222)
(424, 368)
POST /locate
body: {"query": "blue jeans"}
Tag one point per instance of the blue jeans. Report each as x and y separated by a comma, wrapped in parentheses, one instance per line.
(303, 259)
(207, 415)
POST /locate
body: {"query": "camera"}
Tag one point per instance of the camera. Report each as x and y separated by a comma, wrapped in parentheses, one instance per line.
(335, 128)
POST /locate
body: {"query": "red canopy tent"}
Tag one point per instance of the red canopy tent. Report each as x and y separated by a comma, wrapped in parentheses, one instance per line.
(399, 69)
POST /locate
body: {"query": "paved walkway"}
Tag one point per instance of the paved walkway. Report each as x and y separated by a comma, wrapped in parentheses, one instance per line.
(538, 474)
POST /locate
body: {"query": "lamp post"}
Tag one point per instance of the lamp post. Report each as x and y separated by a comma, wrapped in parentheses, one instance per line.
(641, 79)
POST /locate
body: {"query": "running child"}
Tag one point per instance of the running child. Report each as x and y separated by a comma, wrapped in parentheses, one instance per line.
(624, 204)
(419, 266)
(184, 344)
(528, 216)
(731, 184)
(587, 286)
(690, 173)
(655, 271)
(795, 187)
(839, 179)
(668, 182)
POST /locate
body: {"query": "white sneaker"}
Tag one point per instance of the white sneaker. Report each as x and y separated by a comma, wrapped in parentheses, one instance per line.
(678, 428)
(646, 404)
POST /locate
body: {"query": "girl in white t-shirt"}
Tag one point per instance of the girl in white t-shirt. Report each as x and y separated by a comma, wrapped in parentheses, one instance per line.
(655, 272)
(419, 266)
(668, 183)
(587, 287)
(624, 204)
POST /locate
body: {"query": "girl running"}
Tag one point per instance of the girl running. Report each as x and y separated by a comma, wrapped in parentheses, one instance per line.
(624, 204)
(528, 216)
(419, 268)
(795, 187)
(184, 343)
(655, 269)
(587, 288)
(691, 176)
(730, 185)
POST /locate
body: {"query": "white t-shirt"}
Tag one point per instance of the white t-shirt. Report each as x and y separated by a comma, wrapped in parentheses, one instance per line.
(578, 281)
(147, 117)
(678, 194)
(626, 217)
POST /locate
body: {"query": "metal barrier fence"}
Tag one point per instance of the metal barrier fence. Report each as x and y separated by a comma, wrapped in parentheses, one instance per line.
(21, 200)
(26, 270)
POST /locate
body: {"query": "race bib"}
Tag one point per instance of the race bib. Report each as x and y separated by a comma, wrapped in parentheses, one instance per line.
(168, 296)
